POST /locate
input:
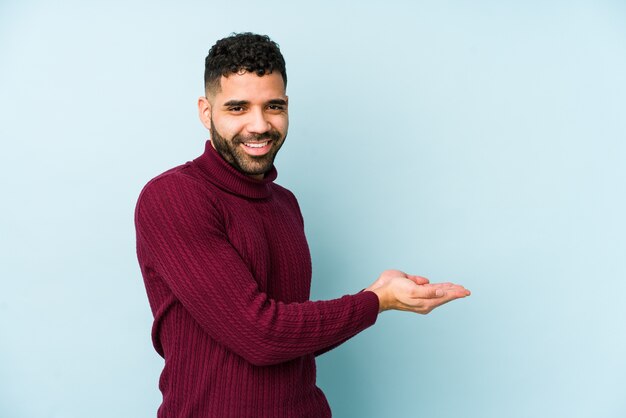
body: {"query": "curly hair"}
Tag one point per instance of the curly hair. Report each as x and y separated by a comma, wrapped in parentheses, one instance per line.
(242, 52)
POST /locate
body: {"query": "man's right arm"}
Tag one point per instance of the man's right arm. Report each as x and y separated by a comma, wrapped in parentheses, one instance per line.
(182, 235)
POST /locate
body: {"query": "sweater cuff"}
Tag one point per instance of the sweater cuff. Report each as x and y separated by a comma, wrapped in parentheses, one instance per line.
(370, 304)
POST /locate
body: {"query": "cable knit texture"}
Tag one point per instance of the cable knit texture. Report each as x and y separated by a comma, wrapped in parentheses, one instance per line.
(227, 271)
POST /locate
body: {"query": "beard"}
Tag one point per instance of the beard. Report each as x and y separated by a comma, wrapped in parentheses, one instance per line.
(231, 151)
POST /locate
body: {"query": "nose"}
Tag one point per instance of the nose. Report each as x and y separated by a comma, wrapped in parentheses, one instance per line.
(258, 122)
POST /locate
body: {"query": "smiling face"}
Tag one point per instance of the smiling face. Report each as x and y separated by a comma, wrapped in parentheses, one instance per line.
(248, 120)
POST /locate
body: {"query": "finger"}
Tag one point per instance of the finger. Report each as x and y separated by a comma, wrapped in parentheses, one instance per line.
(448, 297)
(428, 299)
(427, 292)
(417, 279)
(457, 292)
(451, 287)
(445, 285)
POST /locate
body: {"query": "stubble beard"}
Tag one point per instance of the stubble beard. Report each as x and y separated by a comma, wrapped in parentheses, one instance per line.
(249, 165)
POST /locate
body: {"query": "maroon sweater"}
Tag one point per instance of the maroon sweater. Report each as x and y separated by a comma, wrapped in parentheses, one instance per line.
(227, 270)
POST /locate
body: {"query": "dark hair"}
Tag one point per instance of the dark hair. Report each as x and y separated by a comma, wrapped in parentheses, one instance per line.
(242, 52)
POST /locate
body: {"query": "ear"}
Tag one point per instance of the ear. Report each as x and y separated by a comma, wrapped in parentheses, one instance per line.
(204, 111)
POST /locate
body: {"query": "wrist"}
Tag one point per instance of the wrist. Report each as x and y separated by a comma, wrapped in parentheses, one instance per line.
(382, 298)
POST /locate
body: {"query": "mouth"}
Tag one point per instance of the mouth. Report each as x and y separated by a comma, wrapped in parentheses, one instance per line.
(257, 148)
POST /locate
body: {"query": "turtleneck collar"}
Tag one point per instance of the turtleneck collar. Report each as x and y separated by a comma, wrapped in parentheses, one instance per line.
(228, 178)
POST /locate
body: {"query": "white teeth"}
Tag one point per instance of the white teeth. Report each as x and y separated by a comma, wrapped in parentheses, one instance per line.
(256, 145)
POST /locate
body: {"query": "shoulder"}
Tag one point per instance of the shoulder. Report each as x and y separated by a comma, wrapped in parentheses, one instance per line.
(285, 195)
(282, 191)
(172, 180)
(179, 189)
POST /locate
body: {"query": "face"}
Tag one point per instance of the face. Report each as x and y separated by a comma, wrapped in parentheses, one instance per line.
(248, 120)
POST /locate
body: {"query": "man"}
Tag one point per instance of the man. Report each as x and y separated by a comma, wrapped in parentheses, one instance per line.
(226, 264)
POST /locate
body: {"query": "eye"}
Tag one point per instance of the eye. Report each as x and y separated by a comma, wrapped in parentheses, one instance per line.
(235, 109)
(276, 107)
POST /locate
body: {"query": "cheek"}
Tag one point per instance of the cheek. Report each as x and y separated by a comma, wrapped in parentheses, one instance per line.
(228, 128)
(281, 124)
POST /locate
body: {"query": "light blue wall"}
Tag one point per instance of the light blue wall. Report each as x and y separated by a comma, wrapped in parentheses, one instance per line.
(481, 142)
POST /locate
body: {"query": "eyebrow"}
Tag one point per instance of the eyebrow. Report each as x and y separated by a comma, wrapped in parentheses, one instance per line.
(234, 103)
(278, 102)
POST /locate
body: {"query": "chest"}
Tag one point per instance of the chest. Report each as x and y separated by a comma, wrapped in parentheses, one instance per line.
(269, 236)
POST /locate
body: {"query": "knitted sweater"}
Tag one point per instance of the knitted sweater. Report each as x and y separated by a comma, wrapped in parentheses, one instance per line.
(227, 271)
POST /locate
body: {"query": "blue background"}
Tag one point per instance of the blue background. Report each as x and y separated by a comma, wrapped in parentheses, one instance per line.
(480, 142)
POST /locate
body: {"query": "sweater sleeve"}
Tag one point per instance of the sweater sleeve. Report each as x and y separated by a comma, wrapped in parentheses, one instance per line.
(187, 246)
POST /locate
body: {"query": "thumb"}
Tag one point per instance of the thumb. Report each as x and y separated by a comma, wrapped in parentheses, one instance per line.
(417, 279)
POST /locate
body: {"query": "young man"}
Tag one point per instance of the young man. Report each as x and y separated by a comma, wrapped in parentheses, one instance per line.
(227, 267)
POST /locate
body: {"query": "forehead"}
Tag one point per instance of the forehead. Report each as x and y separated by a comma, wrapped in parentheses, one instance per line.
(251, 87)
